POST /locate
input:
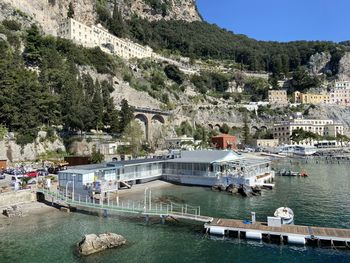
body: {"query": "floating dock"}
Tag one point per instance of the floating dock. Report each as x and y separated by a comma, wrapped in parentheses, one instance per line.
(286, 234)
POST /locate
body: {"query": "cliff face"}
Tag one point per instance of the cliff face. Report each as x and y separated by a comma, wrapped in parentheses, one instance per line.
(162, 9)
(48, 13)
(319, 63)
(344, 67)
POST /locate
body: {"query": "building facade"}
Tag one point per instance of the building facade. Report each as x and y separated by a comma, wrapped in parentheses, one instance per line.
(266, 143)
(179, 142)
(340, 93)
(97, 36)
(311, 98)
(325, 128)
(201, 167)
(278, 97)
(224, 141)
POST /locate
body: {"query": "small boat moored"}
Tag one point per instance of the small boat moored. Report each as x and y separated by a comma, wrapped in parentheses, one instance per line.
(284, 172)
(286, 214)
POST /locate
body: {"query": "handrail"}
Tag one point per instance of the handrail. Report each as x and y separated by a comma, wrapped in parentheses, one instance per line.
(161, 209)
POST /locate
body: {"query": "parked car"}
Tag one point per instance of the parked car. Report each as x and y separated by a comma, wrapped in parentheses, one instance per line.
(32, 181)
(31, 174)
(42, 172)
(2, 176)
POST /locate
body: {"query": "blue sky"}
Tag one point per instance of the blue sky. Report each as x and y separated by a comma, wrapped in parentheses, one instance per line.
(281, 20)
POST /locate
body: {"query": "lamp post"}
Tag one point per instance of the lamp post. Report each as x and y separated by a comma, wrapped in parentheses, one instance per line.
(145, 202)
(73, 187)
(67, 188)
(150, 200)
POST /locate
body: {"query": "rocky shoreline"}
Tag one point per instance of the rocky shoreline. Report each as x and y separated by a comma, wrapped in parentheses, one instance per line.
(244, 190)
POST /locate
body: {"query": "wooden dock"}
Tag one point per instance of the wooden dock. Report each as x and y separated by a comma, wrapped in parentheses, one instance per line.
(296, 234)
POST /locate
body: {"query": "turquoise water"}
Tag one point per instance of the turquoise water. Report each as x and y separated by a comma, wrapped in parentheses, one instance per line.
(321, 199)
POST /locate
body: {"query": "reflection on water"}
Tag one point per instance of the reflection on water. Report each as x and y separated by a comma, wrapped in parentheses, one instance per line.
(321, 199)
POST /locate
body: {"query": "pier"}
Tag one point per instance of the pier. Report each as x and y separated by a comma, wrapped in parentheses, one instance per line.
(147, 208)
(242, 229)
(286, 234)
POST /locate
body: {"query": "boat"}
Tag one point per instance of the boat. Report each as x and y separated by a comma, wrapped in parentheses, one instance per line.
(297, 150)
(286, 214)
(284, 172)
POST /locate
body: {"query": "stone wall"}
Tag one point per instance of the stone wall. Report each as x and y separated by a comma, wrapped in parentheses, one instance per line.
(18, 197)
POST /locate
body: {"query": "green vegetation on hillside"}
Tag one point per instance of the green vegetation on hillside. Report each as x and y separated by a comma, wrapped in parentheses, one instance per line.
(203, 40)
(43, 86)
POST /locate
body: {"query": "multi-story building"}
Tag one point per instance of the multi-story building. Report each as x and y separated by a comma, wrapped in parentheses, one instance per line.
(340, 93)
(97, 36)
(311, 98)
(278, 97)
(328, 128)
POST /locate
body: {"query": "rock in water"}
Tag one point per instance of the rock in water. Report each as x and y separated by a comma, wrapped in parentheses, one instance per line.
(13, 211)
(92, 243)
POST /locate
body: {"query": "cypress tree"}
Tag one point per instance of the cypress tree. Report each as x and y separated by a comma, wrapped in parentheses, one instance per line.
(70, 13)
(116, 25)
(126, 115)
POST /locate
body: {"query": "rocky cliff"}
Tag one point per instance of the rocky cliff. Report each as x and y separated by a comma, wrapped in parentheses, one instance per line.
(162, 9)
(48, 13)
(10, 150)
(344, 67)
(319, 63)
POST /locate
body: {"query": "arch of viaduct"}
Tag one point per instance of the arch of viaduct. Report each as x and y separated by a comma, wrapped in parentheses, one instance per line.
(151, 119)
(252, 127)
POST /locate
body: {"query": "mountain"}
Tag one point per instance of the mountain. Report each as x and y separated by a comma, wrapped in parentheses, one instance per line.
(49, 13)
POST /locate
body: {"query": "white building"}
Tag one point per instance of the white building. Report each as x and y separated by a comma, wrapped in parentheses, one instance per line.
(97, 36)
(340, 93)
(283, 130)
(201, 167)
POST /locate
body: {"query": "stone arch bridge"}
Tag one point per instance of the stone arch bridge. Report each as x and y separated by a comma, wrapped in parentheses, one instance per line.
(253, 127)
(151, 119)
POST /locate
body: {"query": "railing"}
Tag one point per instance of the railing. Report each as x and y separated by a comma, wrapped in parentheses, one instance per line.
(145, 208)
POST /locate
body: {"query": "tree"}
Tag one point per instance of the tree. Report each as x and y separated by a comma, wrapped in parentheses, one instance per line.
(299, 135)
(70, 12)
(184, 129)
(225, 128)
(97, 107)
(342, 138)
(3, 132)
(33, 45)
(96, 156)
(173, 73)
(116, 24)
(302, 80)
(126, 115)
(133, 134)
(246, 131)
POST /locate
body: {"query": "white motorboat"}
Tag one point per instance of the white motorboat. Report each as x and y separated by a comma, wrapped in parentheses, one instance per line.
(286, 214)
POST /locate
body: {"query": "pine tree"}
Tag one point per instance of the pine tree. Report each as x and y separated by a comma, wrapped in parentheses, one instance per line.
(33, 44)
(70, 13)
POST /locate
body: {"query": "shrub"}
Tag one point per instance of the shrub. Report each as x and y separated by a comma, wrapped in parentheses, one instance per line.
(173, 73)
(12, 25)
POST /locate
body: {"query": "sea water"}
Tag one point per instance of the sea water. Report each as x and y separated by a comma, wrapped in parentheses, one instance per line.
(322, 199)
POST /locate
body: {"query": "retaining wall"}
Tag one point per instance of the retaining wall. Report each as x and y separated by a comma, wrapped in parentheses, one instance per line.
(17, 197)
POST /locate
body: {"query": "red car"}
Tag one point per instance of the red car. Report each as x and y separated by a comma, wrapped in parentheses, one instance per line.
(31, 174)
